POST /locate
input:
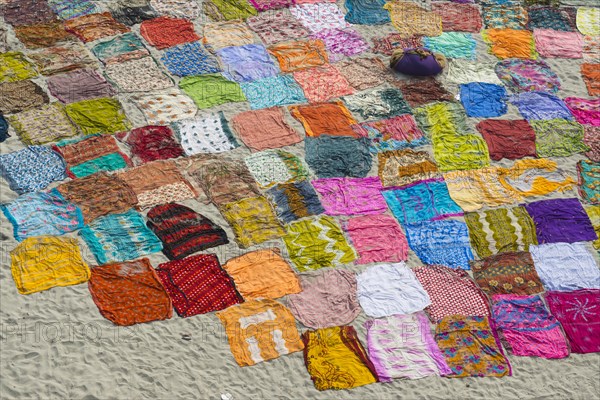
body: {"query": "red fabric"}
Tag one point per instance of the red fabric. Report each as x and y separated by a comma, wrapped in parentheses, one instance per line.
(164, 32)
(198, 285)
(457, 17)
(151, 143)
(511, 139)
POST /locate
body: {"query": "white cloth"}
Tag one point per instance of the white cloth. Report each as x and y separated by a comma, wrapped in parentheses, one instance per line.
(207, 133)
(463, 71)
(318, 16)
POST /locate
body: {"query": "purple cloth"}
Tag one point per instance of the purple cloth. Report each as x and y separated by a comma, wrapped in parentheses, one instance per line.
(561, 220)
(82, 84)
(247, 63)
(540, 105)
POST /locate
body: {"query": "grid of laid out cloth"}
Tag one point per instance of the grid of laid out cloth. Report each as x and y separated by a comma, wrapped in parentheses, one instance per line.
(257, 163)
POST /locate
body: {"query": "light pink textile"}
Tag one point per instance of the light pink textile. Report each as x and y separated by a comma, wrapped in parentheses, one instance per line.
(557, 44)
(377, 238)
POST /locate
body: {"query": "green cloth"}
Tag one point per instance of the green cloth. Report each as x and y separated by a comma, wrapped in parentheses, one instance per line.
(220, 10)
(211, 90)
(14, 67)
(98, 116)
(558, 137)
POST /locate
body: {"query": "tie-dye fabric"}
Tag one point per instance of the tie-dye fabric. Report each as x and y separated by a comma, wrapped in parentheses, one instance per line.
(392, 134)
(402, 167)
(121, 48)
(294, 200)
(527, 75)
(32, 169)
(377, 104)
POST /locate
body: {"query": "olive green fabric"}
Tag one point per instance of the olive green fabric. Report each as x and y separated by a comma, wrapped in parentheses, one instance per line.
(103, 115)
(211, 90)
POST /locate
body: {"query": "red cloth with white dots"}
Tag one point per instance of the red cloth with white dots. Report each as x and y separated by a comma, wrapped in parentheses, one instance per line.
(198, 285)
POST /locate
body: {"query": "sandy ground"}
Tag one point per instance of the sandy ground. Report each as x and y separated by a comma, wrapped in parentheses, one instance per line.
(55, 344)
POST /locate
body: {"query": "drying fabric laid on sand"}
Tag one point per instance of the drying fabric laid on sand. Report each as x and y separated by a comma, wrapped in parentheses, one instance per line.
(389, 289)
(458, 17)
(137, 75)
(274, 91)
(387, 44)
(510, 139)
(561, 220)
(591, 138)
(3, 129)
(471, 347)
(441, 242)
(402, 167)
(579, 315)
(43, 262)
(351, 196)
(589, 181)
(585, 111)
(270, 167)
(67, 9)
(452, 45)
(317, 242)
(377, 103)
(558, 137)
(189, 59)
(21, 95)
(164, 32)
(322, 83)
(247, 63)
(264, 129)
(588, 20)
(98, 194)
(32, 168)
(327, 299)
(3, 40)
(421, 201)
(452, 292)
(211, 90)
(277, 26)
(198, 285)
(183, 231)
(376, 238)
(62, 58)
(363, 73)
(510, 229)
(540, 106)
(412, 20)
(260, 330)
(547, 177)
(265, 5)
(252, 220)
(402, 347)
(591, 48)
(91, 154)
(177, 8)
(503, 14)
(294, 200)
(15, 67)
(151, 143)
(221, 10)
(300, 54)
(332, 119)
(119, 237)
(552, 44)
(27, 12)
(319, 16)
(393, 133)
(591, 77)
(366, 12)
(227, 34)
(527, 75)
(510, 43)
(550, 18)
(483, 100)
(39, 214)
(104, 115)
(206, 133)
(129, 293)
(342, 42)
(466, 71)
(161, 108)
(507, 273)
(262, 274)
(566, 266)
(335, 359)
(78, 85)
(594, 213)
(132, 12)
(95, 26)
(121, 48)
(528, 327)
(44, 124)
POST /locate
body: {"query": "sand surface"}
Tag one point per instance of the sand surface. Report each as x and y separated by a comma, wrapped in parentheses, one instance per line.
(55, 344)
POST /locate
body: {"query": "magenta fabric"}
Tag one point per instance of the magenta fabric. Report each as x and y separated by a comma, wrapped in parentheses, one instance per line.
(342, 42)
(586, 112)
(377, 238)
(579, 315)
(265, 5)
(527, 327)
(351, 196)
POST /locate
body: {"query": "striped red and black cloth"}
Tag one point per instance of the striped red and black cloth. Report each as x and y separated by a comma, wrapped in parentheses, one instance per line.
(183, 231)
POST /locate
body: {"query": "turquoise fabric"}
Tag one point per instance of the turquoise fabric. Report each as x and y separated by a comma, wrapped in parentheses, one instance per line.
(273, 91)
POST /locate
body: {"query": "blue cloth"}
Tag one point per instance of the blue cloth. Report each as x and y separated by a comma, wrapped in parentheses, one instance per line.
(273, 91)
(483, 100)
(285, 198)
(338, 156)
(441, 242)
(3, 129)
(189, 59)
(540, 105)
(367, 12)
(32, 168)
(247, 63)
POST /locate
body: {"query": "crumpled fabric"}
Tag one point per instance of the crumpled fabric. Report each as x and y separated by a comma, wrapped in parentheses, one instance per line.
(423, 91)
(270, 167)
(363, 73)
(376, 238)
(503, 14)
(550, 18)
(387, 44)
(402, 167)
(377, 104)
(366, 12)
(591, 138)
(247, 63)
(591, 76)
(299, 54)
(42, 35)
(342, 43)
(338, 156)
(205, 133)
(164, 32)
(151, 143)
(225, 10)
(589, 182)
(322, 83)
(332, 119)
(411, 19)
(78, 85)
(452, 45)
(510, 43)
(68, 9)
(294, 200)
(351, 196)
(591, 48)
(458, 17)
(189, 59)
(558, 137)
(586, 112)
(277, 26)
(540, 106)
(32, 168)
(3, 129)
(219, 35)
(510, 139)
(121, 48)
(464, 71)
(131, 13)
(264, 129)
(483, 100)
(177, 8)
(211, 90)
(27, 12)
(62, 58)
(266, 5)
(593, 212)
(21, 95)
(548, 177)
(44, 124)
(393, 133)
(95, 26)
(138, 75)
(510, 273)
(588, 20)
(566, 267)
(278, 90)
(318, 16)
(527, 76)
(15, 67)
(103, 115)
(555, 44)
(161, 108)
(561, 220)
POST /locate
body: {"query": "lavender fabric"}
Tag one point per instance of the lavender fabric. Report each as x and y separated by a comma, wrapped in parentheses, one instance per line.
(247, 63)
(540, 105)
(561, 220)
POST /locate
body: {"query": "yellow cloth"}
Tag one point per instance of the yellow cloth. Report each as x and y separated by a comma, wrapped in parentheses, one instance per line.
(535, 177)
(42, 262)
(412, 20)
(588, 20)
(594, 213)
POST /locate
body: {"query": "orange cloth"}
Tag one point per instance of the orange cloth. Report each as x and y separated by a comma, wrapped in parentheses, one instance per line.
(591, 77)
(325, 118)
(511, 43)
(300, 54)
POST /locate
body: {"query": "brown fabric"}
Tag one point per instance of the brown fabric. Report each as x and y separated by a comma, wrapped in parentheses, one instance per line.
(95, 26)
(363, 73)
(43, 35)
(26, 12)
(264, 129)
(402, 167)
(511, 139)
(422, 91)
(21, 95)
(98, 195)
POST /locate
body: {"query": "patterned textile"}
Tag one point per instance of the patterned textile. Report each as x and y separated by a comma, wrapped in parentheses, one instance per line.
(386, 45)
(402, 167)
(157, 182)
(264, 129)
(443, 242)
(129, 293)
(325, 119)
(510, 139)
(591, 48)
(198, 285)
(265, 5)
(250, 270)
(554, 44)
(21, 95)
(457, 17)
(277, 26)
(591, 138)
(95, 26)
(299, 54)
(121, 48)
(273, 91)
(206, 133)
(161, 108)
(589, 181)
(466, 71)
(566, 267)
(335, 359)
(366, 12)
(588, 20)
(260, 330)
(510, 43)
(453, 45)
(528, 327)
(15, 67)
(132, 13)
(294, 200)
(189, 59)
(452, 292)
(138, 75)
(63, 58)
(507, 273)
(247, 63)
(45, 124)
(182, 231)
(558, 137)
(342, 42)
(483, 100)
(389, 289)
(402, 347)
(226, 34)
(42, 35)
(363, 73)
(376, 238)
(591, 77)
(512, 229)
(527, 75)
(547, 177)
(164, 32)
(327, 299)
(585, 111)
(503, 15)
(32, 168)
(211, 90)
(39, 214)
(427, 200)
(578, 314)
(270, 167)
(3, 129)
(392, 134)
(351, 196)
(332, 156)
(319, 16)
(378, 103)
(412, 20)
(78, 85)
(422, 91)
(67, 9)
(471, 347)
(177, 8)
(561, 220)
(252, 220)
(594, 213)
(91, 154)
(151, 143)
(317, 242)
(220, 10)
(26, 12)
(104, 115)
(33, 272)
(322, 83)
(550, 18)
(540, 106)
(98, 194)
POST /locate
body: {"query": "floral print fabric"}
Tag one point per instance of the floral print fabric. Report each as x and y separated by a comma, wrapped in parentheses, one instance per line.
(45, 124)
(507, 273)
(138, 75)
(161, 108)
(527, 75)
(189, 59)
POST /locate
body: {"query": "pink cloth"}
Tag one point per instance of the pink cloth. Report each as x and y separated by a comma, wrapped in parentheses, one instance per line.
(586, 112)
(342, 42)
(264, 5)
(322, 83)
(351, 196)
(377, 238)
(558, 44)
